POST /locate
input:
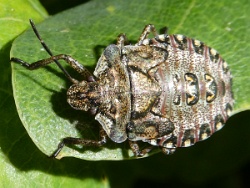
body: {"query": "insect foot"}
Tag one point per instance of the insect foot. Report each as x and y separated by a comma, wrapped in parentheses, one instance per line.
(168, 91)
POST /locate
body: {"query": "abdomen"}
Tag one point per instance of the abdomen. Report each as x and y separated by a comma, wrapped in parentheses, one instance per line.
(196, 90)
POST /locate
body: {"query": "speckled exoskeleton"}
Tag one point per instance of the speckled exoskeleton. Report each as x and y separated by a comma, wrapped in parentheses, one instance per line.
(169, 91)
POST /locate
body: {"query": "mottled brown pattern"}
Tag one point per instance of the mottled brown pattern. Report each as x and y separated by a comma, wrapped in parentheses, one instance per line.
(169, 91)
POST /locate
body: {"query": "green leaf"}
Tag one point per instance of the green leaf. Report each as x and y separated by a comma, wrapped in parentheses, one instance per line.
(13, 21)
(83, 32)
(224, 25)
(21, 163)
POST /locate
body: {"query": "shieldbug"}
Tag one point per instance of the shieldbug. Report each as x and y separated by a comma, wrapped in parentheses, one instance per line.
(169, 91)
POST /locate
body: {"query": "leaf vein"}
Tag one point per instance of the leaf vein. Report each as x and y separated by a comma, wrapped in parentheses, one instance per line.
(185, 15)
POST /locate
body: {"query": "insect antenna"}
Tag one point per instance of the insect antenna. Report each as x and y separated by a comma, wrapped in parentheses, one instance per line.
(49, 52)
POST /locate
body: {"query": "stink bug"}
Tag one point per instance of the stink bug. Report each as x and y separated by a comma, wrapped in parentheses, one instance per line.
(169, 91)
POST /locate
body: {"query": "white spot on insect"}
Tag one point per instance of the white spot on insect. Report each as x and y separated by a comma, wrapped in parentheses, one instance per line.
(169, 145)
(213, 51)
(218, 125)
(71, 59)
(179, 37)
(161, 37)
(145, 42)
(229, 112)
(225, 66)
(197, 43)
(153, 142)
(187, 143)
(204, 136)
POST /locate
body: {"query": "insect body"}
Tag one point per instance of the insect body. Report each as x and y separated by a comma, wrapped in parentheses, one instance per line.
(169, 91)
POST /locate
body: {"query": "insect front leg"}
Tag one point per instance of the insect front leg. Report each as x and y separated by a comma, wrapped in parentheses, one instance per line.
(81, 141)
(72, 62)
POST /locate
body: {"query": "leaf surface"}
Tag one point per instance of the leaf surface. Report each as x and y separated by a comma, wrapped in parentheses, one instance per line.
(83, 32)
(223, 25)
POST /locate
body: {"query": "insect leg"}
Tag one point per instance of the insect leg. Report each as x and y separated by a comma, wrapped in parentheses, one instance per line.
(136, 150)
(168, 151)
(146, 31)
(122, 40)
(72, 62)
(80, 141)
(42, 63)
(50, 53)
